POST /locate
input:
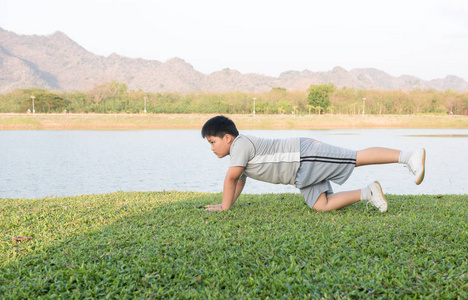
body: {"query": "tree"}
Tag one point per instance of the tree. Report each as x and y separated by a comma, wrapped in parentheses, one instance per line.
(45, 102)
(319, 96)
(109, 90)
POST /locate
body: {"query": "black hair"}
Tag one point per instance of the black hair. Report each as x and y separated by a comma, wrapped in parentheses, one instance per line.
(219, 126)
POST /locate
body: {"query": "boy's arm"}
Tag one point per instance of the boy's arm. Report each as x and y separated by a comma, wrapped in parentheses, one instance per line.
(230, 184)
(239, 187)
(230, 190)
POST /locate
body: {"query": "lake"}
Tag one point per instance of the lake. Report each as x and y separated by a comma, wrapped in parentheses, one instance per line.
(36, 164)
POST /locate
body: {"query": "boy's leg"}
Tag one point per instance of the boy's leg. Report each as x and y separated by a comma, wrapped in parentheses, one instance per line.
(414, 160)
(371, 156)
(372, 193)
(337, 201)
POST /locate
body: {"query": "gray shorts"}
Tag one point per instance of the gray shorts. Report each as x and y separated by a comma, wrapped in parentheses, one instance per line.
(320, 164)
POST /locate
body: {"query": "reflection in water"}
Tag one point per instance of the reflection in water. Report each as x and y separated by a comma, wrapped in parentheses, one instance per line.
(36, 164)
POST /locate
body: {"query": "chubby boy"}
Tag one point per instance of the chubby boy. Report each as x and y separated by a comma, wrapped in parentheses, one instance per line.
(308, 164)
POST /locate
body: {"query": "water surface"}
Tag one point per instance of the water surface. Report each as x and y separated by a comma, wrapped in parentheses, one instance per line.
(35, 164)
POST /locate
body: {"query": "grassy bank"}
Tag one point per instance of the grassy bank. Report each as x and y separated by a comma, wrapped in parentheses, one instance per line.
(196, 121)
(159, 245)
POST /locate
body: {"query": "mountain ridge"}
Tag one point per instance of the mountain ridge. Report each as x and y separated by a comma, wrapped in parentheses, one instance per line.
(56, 62)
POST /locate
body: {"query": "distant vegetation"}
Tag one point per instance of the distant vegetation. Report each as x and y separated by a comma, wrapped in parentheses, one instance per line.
(114, 97)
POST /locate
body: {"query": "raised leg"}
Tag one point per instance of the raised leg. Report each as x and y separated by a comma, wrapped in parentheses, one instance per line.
(372, 156)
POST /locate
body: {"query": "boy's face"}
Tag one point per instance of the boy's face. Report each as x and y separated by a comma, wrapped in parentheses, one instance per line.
(220, 146)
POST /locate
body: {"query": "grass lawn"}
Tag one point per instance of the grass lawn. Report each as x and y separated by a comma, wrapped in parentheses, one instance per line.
(160, 245)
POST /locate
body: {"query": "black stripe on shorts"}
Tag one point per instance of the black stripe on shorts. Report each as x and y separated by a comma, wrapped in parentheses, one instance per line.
(332, 160)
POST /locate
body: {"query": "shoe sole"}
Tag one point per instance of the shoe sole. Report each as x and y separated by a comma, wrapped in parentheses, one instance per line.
(421, 176)
(383, 196)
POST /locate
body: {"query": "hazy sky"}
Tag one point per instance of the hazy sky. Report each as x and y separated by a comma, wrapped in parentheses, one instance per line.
(424, 38)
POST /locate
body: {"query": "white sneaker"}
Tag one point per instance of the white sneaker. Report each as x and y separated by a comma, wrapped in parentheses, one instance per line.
(416, 164)
(377, 197)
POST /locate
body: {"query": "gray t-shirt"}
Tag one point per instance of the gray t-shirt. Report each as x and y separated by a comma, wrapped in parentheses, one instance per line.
(269, 160)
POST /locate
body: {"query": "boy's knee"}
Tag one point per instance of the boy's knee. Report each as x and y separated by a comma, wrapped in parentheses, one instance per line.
(317, 206)
(321, 203)
(322, 208)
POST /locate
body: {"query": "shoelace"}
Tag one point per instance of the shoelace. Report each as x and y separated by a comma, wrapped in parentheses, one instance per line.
(367, 205)
(410, 170)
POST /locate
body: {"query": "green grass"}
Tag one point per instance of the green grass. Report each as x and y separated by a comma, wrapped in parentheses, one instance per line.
(159, 245)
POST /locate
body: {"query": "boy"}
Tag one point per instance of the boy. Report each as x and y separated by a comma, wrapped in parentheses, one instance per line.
(304, 162)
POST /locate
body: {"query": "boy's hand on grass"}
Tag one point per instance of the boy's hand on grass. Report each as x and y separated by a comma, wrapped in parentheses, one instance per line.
(213, 207)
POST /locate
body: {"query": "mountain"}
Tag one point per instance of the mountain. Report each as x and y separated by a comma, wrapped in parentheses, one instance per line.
(56, 62)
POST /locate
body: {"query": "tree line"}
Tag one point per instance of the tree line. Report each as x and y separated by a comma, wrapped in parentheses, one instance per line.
(114, 97)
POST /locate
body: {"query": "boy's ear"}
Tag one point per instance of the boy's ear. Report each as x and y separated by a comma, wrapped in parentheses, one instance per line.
(228, 138)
